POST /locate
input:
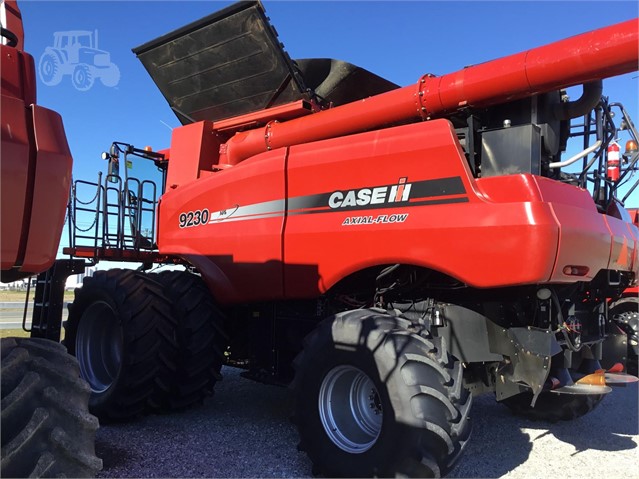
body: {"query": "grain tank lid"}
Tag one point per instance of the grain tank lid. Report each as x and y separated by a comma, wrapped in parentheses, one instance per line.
(227, 64)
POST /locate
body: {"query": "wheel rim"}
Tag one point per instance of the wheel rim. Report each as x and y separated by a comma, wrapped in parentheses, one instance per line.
(98, 346)
(350, 409)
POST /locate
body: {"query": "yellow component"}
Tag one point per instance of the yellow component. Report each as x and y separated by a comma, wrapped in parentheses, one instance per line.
(631, 147)
(598, 378)
(148, 148)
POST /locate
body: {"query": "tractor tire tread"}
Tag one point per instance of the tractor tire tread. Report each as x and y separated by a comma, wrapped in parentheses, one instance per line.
(200, 340)
(46, 427)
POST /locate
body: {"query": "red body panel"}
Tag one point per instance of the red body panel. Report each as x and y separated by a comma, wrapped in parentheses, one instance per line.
(50, 190)
(437, 236)
(585, 233)
(239, 251)
(193, 147)
(493, 232)
(14, 166)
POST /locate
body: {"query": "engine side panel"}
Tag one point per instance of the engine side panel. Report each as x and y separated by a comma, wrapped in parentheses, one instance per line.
(444, 222)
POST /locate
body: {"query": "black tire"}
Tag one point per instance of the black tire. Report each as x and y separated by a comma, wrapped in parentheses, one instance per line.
(372, 360)
(553, 407)
(625, 314)
(200, 339)
(121, 331)
(47, 430)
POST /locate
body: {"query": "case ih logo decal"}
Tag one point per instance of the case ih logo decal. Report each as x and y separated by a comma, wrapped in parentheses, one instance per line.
(398, 195)
(371, 196)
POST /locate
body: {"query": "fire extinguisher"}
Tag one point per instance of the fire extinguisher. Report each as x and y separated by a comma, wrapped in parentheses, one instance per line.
(612, 164)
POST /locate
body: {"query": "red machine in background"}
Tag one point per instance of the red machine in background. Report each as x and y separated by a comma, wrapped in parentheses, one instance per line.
(390, 252)
(46, 427)
(36, 163)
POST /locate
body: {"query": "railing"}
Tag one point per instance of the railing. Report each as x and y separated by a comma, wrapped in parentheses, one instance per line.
(112, 214)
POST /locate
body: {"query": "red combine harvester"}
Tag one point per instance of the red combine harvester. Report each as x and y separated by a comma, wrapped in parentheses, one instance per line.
(46, 427)
(390, 252)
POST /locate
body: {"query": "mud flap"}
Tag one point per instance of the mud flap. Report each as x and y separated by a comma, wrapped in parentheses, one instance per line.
(528, 352)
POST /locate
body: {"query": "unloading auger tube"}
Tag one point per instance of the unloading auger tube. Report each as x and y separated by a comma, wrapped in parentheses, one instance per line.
(583, 58)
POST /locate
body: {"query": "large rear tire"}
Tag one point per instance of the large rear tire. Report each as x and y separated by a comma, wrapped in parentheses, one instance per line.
(374, 399)
(121, 331)
(200, 339)
(47, 430)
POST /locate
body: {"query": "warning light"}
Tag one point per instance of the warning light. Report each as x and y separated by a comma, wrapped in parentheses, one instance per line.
(598, 378)
(148, 148)
(631, 148)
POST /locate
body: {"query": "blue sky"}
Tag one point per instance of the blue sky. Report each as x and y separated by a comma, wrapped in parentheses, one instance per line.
(397, 40)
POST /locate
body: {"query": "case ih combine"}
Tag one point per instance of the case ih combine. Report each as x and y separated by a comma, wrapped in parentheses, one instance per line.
(389, 252)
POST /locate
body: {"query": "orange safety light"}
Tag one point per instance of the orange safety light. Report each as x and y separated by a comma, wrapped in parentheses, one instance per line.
(598, 378)
(631, 148)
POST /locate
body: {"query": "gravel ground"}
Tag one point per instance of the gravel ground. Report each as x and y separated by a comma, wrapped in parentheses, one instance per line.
(244, 431)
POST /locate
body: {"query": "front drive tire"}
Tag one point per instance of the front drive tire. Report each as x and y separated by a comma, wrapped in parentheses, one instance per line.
(375, 399)
(47, 430)
(120, 330)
